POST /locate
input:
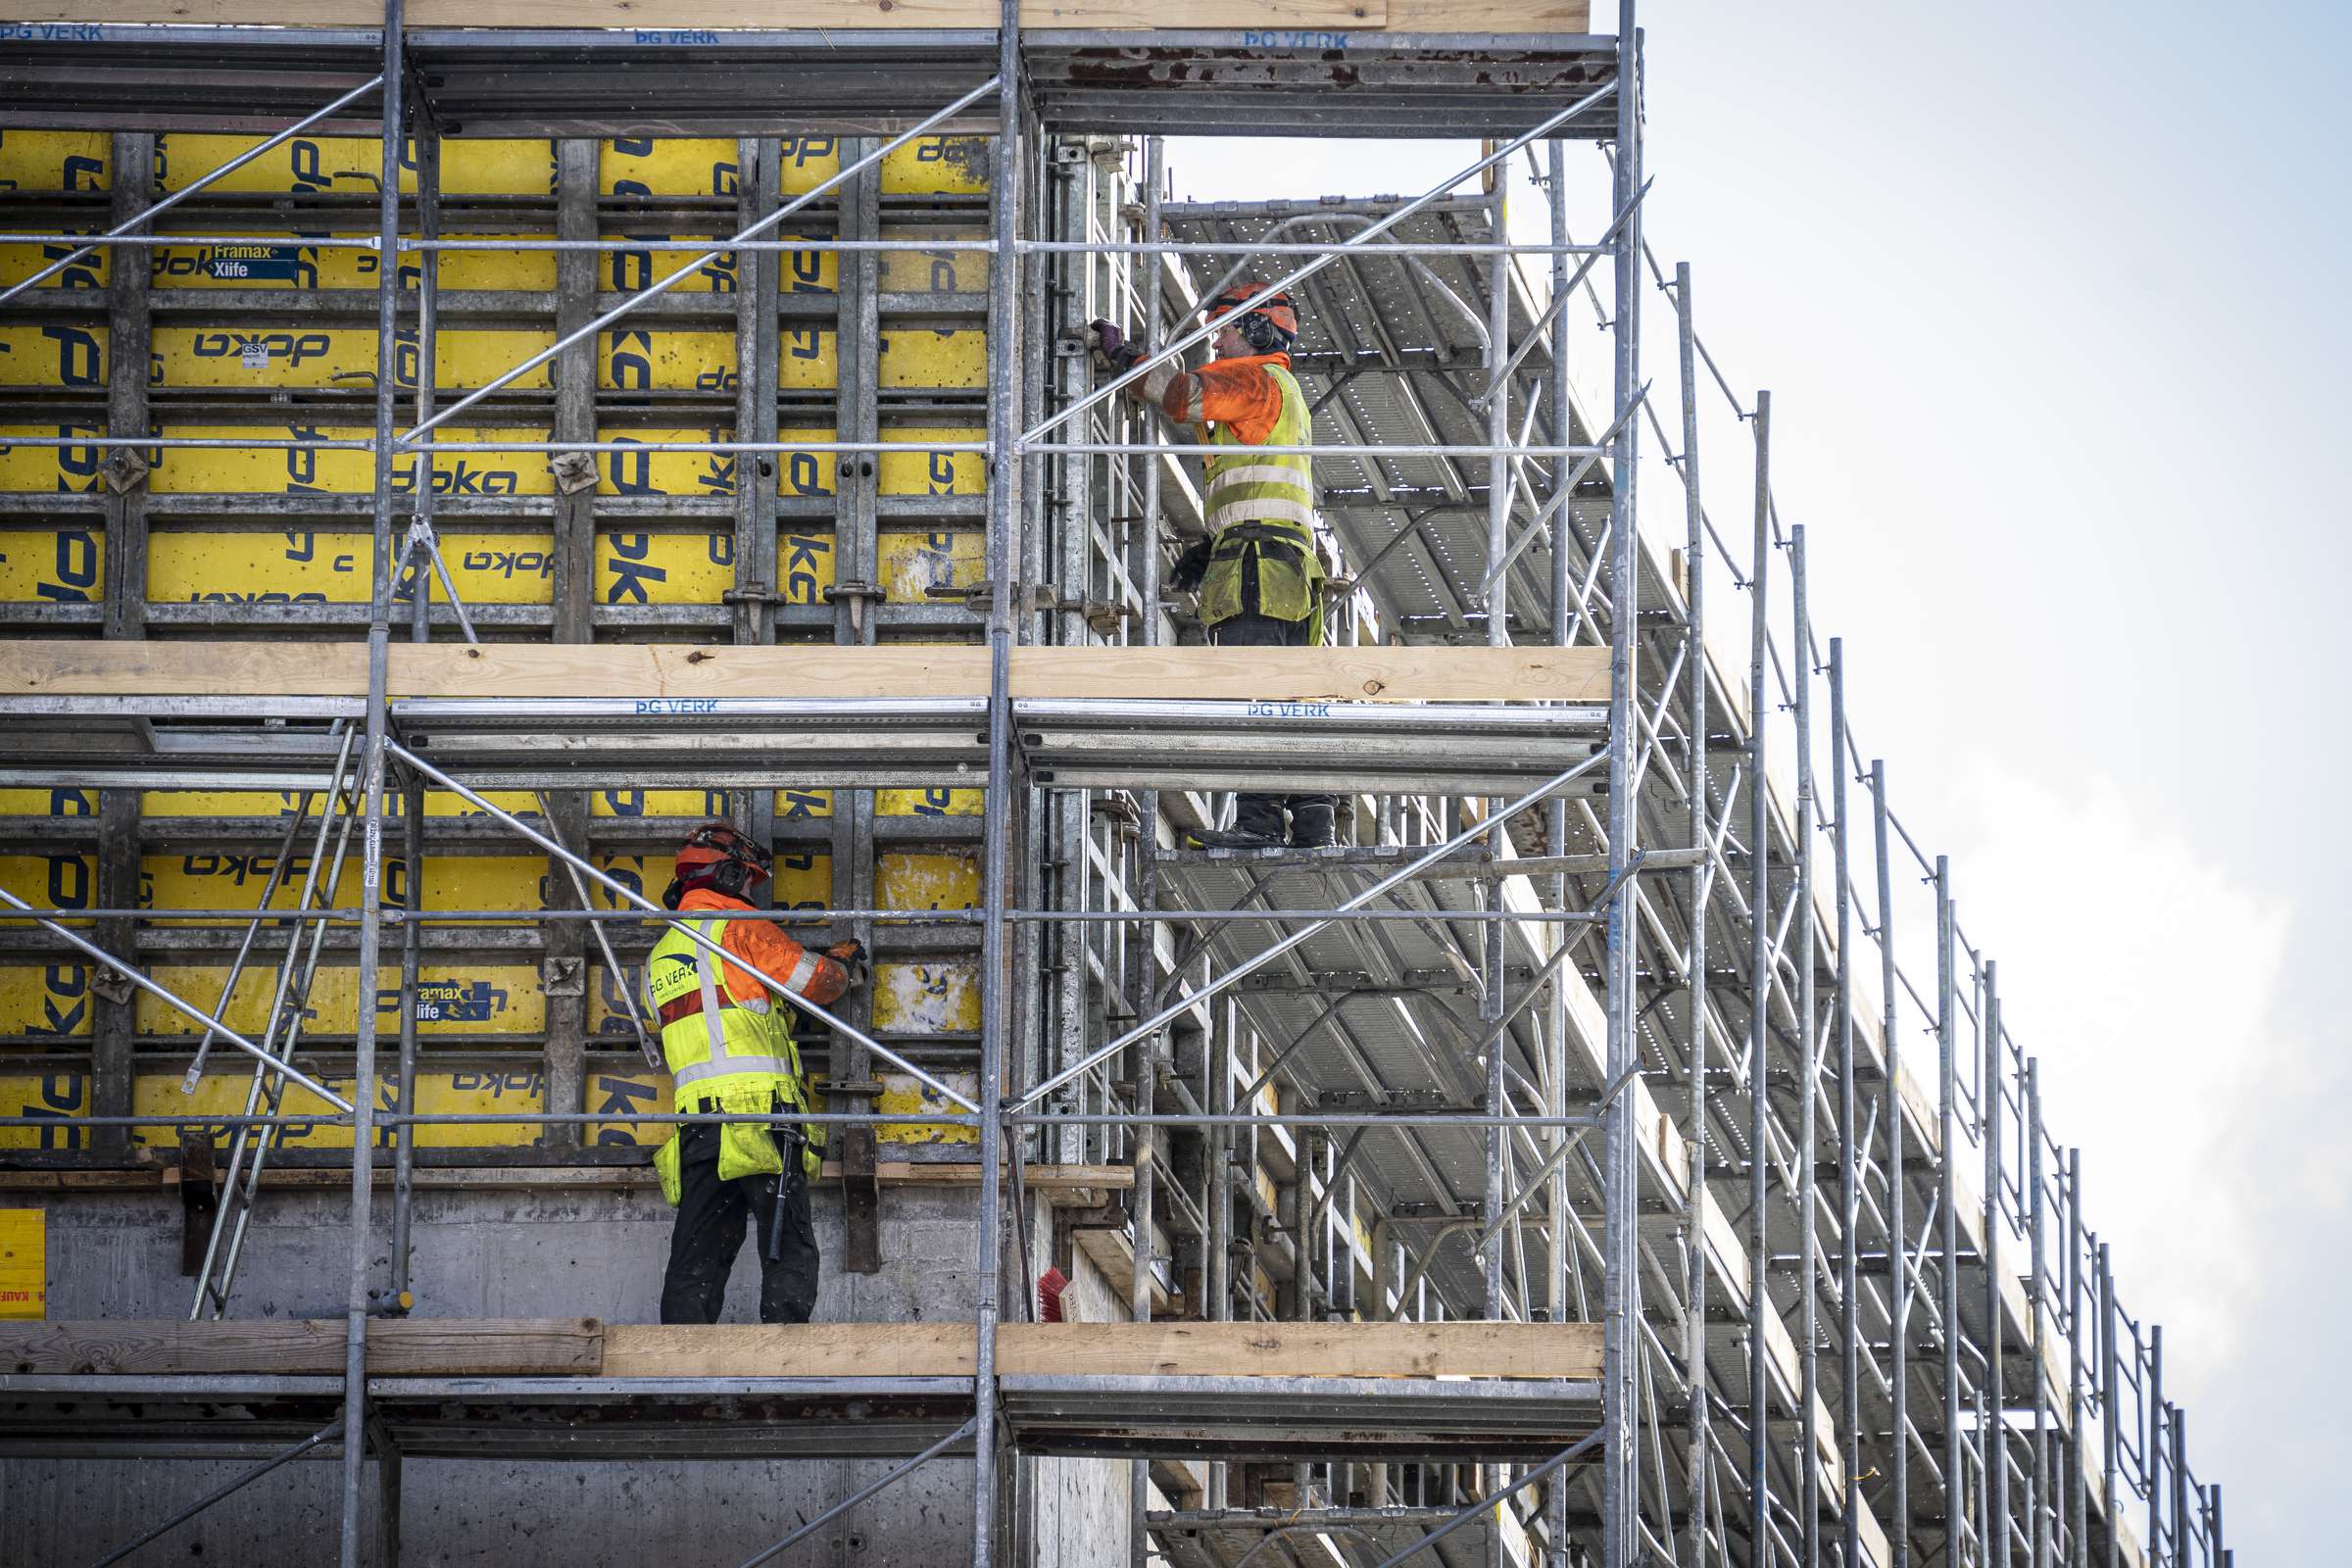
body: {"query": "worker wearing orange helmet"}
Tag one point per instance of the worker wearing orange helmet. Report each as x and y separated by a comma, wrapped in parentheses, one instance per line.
(727, 1038)
(1258, 577)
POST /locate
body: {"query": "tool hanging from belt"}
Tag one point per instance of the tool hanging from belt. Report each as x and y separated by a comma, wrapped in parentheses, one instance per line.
(788, 1181)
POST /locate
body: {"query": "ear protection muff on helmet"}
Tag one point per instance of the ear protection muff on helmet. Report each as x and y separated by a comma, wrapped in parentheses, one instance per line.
(1261, 334)
(716, 856)
(1269, 322)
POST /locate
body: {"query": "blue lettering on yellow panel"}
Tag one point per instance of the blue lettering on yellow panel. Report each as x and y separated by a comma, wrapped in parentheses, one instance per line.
(799, 568)
(632, 570)
(63, 1096)
(448, 1001)
(623, 1096)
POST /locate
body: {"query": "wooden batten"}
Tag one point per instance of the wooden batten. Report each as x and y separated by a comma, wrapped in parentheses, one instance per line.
(1569, 1350)
(59, 668)
(571, 1347)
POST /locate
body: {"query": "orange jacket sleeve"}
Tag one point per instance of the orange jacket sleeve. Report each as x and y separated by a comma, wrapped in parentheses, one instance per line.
(1238, 394)
(814, 975)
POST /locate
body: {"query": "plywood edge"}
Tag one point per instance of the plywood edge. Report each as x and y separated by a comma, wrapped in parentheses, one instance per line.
(48, 667)
(1324, 21)
(293, 1348)
(1471, 1350)
(1564, 1350)
(790, 1351)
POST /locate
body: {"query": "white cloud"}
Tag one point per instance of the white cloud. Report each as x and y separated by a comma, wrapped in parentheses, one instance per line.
(2146, 977)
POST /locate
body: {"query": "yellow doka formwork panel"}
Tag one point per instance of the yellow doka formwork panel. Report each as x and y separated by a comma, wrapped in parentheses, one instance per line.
(688, 805)
(298, 263)
(51, 881)
(24, 1263)
(53, 161)
(461, 997)
(51, 1000)
(57, 355)
(63, 1095)
(282, 470)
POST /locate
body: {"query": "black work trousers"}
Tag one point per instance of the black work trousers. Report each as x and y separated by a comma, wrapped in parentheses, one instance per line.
(1262, 815)
(708, 1233)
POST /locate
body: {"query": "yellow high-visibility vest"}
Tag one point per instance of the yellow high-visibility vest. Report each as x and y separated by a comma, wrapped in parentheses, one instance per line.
(1260, 507)
(726, 1055)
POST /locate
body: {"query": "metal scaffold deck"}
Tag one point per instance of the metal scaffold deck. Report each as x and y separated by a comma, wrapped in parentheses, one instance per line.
(440, 464)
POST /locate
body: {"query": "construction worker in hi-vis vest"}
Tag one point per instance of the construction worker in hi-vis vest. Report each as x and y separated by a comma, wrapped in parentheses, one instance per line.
(727, 1038)
(1259, 578)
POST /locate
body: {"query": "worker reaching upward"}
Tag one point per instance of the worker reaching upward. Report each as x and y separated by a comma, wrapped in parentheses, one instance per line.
(1260, 582)
(728, 1042)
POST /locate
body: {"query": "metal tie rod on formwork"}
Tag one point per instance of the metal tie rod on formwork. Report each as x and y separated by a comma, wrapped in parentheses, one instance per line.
(147, 215)
(1186, 1003)
(623, 891)
(177, 1004)
(663, 286)
(1356, 246)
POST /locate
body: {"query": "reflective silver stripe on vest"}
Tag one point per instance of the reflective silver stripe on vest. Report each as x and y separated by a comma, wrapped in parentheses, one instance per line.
(1257, 474)
(701, 972)
(1263, 510)
(730, 1068)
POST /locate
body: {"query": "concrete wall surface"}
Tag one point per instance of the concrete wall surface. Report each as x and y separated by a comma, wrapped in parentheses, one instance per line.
(589, 1253)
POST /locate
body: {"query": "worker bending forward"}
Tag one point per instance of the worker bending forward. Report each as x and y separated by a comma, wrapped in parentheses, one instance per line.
(1260, 583)
(728, 1041)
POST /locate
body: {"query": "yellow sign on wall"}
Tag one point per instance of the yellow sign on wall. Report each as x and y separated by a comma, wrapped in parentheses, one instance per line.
(24, 1263)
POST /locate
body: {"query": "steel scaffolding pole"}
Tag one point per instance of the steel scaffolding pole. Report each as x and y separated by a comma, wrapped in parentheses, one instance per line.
(1702, 881)
(371, 794)
(1849, 1181)
(1947, 1144)
(2078, 1503)
(1759, 1007)
(1996, 1434)
(1808, 1026)
(1004, 499)
(1898, 1229)
(1621, 1290)
(2038, 1225)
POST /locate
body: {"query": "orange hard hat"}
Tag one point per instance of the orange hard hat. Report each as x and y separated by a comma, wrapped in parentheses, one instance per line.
(1253, 299)
(714, 843)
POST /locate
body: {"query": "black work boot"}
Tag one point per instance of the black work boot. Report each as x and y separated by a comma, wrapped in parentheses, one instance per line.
(1257, 826)
(1230, 838)
(1310, 823)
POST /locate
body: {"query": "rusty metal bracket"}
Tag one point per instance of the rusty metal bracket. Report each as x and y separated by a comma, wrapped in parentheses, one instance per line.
(112, 984)
(125, 470)
(862, 1202)
(574, 472)
(861, 597)
(563, 977)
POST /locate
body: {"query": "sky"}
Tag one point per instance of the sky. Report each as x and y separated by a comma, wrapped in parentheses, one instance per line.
(2052, 302)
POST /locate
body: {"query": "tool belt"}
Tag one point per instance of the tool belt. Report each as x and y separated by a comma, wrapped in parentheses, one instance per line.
(1266, 568)
(1262, 535)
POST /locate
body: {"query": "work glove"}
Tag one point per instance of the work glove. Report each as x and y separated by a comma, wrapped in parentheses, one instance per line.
(851, 955)
(1193, 566)
(1111, 348)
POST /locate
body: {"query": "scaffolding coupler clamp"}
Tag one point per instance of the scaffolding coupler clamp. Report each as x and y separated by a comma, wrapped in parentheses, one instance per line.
(574, 472)
(860, 596)
(125, 470)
